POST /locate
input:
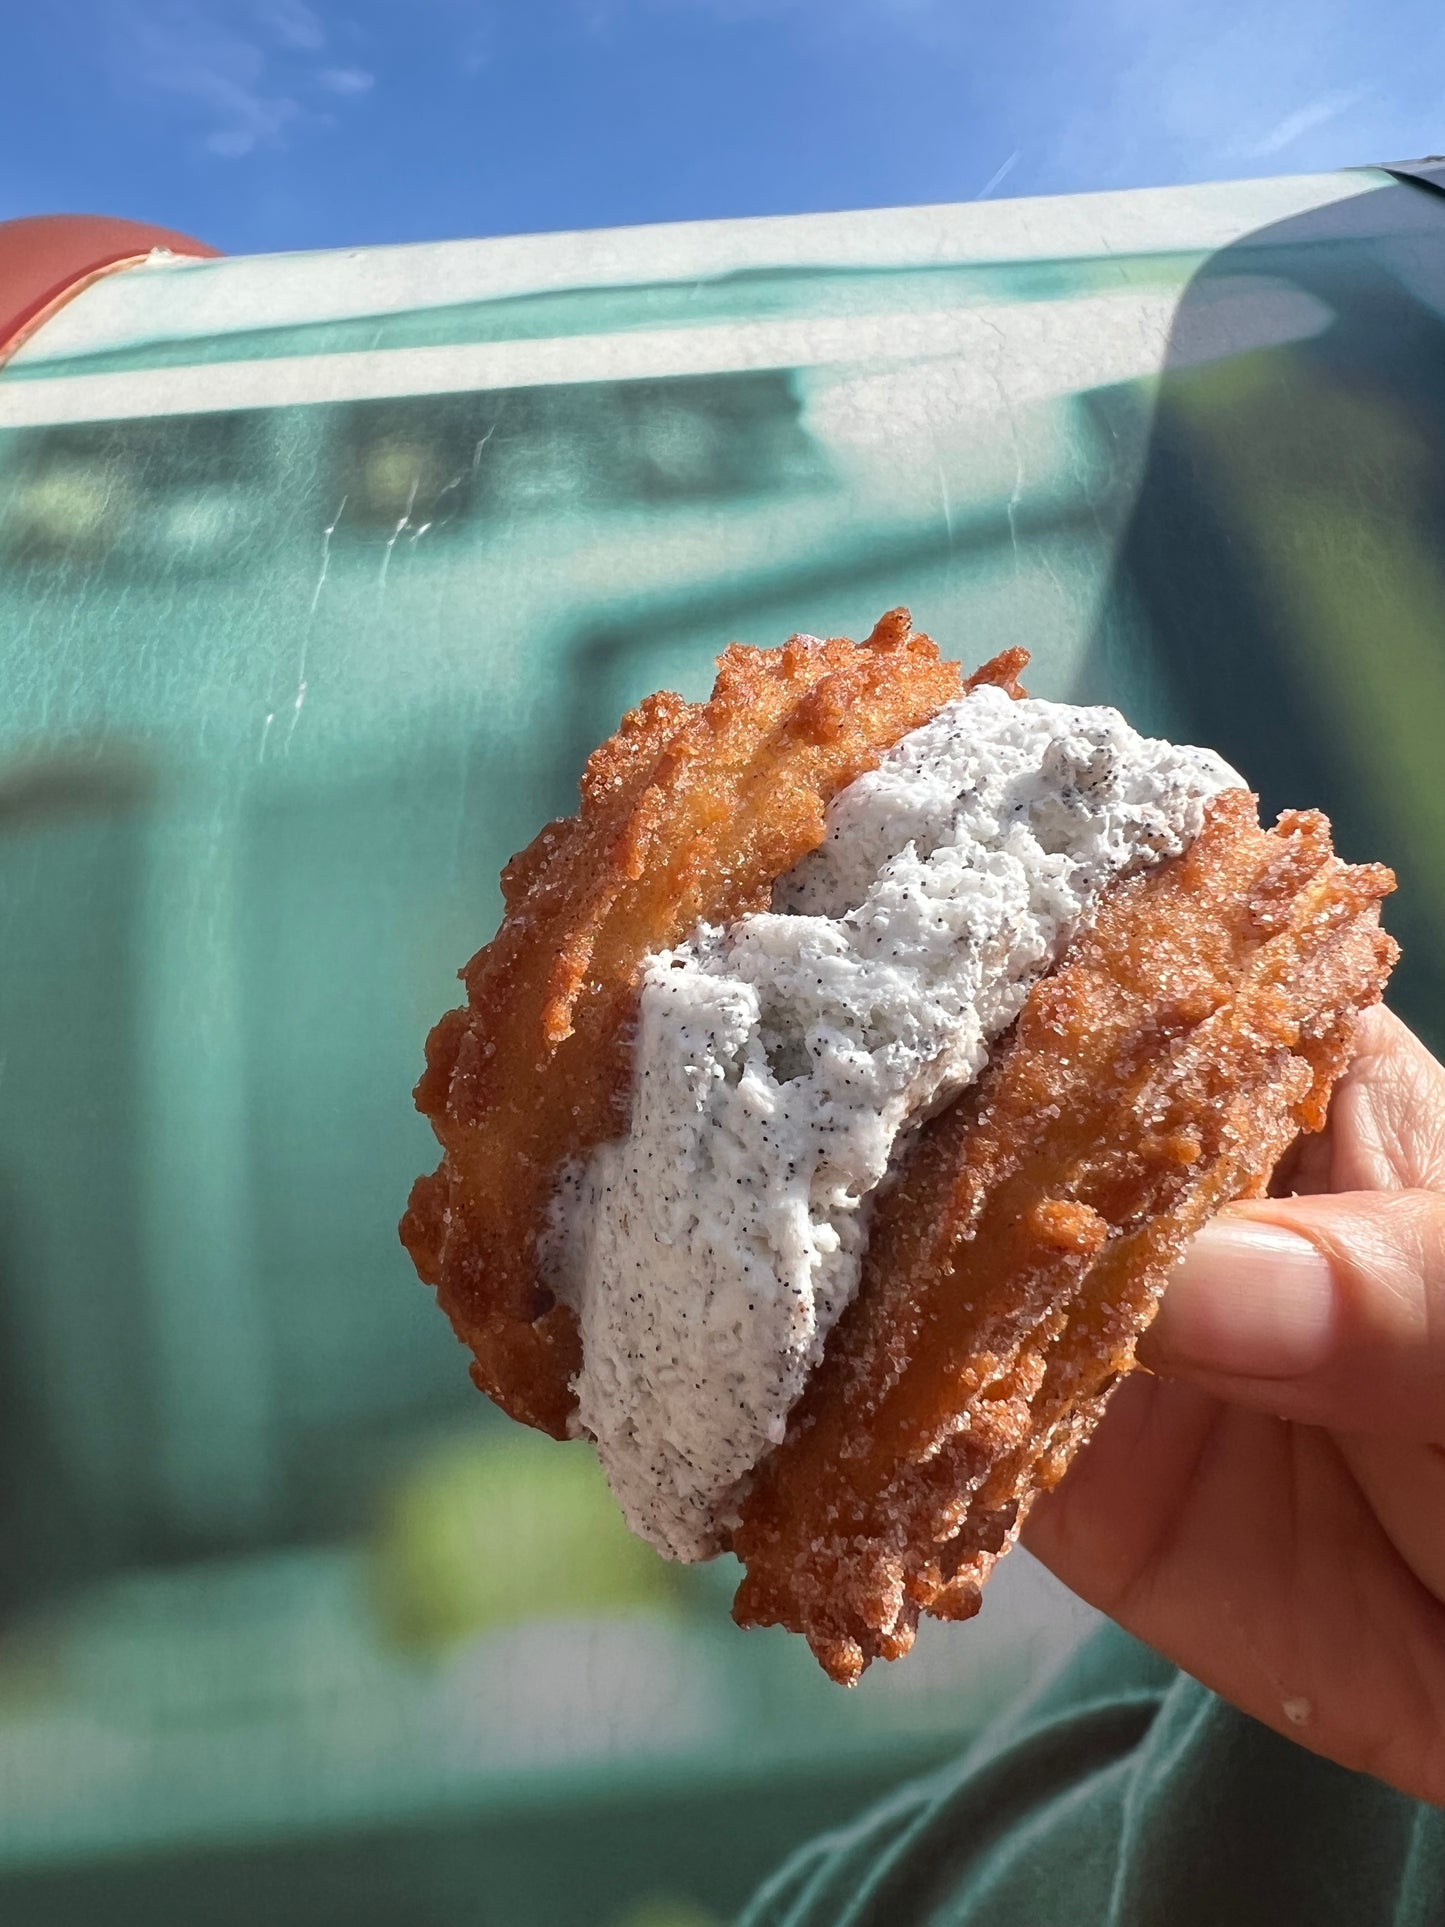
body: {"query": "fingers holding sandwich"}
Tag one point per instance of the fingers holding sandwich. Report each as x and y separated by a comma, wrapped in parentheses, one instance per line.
(1326, 1310)
(1268, 1509)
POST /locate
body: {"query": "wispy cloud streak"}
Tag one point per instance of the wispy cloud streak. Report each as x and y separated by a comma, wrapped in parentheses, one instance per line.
(242, 69)
(1316, 113)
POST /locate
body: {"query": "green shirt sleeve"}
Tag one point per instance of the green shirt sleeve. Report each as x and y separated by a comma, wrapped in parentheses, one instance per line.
(1126, 1795)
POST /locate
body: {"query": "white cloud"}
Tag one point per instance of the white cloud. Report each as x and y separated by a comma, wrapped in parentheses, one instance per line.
(1163, 91)
(1316, 113)
(1115, 93)
(346, 80)
(293, 24)
(180, 51)
(238, 67)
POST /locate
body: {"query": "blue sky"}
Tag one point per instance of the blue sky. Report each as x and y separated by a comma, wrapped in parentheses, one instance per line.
(263, 124)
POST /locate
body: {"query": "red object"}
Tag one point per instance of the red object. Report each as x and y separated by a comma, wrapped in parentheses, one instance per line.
(47, 258)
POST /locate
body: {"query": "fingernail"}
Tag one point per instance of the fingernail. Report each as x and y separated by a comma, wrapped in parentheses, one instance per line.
(1249, 1299)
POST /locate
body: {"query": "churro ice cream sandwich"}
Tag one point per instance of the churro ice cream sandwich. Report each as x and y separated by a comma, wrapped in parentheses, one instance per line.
(843, 1082)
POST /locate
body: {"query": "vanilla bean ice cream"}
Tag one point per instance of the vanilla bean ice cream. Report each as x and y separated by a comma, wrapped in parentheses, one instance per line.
(780, 1062)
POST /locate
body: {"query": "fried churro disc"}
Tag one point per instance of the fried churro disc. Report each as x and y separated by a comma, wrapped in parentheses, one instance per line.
(688, 815)
(1011, 1268)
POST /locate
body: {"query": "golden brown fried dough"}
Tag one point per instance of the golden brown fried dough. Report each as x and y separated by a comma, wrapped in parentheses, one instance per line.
(689, 814)
(1158, 1074)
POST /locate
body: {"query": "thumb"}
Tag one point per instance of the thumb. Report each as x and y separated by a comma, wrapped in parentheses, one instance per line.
(1329, 1310)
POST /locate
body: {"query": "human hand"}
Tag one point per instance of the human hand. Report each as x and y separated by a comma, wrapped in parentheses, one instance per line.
(1265, 1505)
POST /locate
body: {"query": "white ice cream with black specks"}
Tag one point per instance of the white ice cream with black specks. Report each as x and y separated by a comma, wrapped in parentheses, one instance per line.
(710, 1251)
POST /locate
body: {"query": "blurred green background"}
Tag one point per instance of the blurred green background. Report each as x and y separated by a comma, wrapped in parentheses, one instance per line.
(318, 577)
